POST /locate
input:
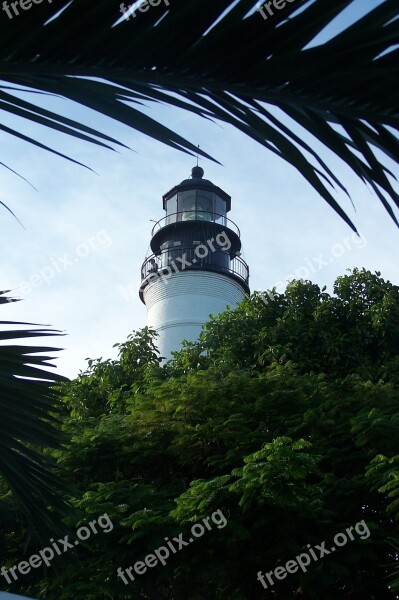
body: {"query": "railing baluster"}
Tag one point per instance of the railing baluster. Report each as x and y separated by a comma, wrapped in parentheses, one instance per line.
(155, 263)
(225, 221)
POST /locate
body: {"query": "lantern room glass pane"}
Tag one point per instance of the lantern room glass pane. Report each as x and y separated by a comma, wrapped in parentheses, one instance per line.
(171, 210)
(196, 205)
(220, 210)
(187, 205)
(205, 209)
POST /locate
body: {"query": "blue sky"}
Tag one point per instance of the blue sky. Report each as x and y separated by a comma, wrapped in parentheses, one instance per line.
(77, 262)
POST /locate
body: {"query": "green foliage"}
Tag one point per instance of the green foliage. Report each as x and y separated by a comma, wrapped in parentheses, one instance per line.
(387, 469)
(278, 474)
(283, 416)
(356, 330)
(106, 385)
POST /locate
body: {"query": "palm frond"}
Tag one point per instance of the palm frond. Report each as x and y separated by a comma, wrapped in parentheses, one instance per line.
(28, 405)
(221, 60)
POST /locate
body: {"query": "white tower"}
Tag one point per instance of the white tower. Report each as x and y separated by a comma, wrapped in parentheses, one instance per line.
(195, 269)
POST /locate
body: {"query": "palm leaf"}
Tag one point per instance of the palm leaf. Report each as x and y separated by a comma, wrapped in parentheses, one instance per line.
(28, 404)
(221, 60)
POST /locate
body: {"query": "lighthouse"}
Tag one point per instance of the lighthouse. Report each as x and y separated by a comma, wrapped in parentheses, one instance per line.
(195, 267)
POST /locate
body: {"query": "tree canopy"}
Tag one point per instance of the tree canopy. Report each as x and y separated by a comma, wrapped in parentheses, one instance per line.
(284, 416)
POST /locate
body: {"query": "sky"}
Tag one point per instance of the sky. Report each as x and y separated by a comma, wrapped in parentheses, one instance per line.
(76, 261)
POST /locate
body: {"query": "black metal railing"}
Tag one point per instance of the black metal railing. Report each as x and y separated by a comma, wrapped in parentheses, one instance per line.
(201, 216)
(181, 258)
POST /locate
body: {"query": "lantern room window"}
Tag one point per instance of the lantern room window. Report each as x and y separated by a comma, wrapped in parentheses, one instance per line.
(200, 205)
(171, 210)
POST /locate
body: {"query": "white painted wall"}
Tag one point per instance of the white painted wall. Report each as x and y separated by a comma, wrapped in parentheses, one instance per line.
(179, 305)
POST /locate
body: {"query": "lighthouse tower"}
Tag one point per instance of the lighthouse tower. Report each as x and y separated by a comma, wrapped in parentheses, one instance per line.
(195, 268)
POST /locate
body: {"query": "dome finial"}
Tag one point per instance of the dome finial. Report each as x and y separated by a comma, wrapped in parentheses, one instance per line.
(197, 172)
